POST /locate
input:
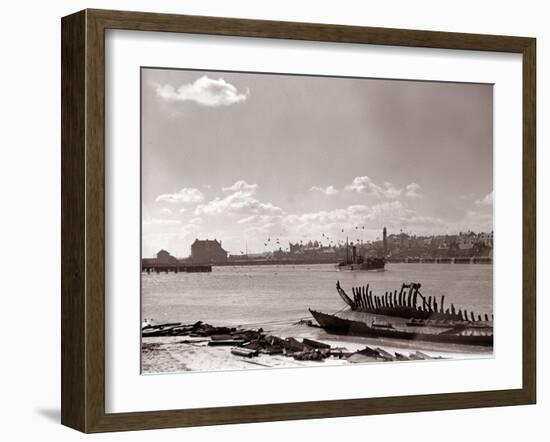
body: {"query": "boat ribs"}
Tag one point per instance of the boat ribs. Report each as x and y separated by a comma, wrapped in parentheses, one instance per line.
(405, 304)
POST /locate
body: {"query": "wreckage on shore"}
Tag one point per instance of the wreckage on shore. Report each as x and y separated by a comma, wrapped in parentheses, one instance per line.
(246, 344)
(408, 315)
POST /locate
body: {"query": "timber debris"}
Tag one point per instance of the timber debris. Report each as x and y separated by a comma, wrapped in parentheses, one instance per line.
(249, 343)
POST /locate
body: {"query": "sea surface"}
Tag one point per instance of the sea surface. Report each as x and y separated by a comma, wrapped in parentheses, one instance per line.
(273, 296)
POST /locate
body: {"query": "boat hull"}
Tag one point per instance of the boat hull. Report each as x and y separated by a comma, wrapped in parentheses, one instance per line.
(369, 264)
(342, 326)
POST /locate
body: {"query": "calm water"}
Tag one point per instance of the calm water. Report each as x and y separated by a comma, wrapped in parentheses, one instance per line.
(257, 295)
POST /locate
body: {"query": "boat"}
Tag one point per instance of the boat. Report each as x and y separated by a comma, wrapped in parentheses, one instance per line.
(408, 315)
(452, 334)
(354, 261)
(408, 303)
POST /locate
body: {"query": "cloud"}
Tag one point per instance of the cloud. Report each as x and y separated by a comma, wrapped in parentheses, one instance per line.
(239, 201)
(204, 91)
(329, 190)
(187, 195)
(390, 191)
(413, 191)
(166, 211)
(487, 200)
(392, 214)
(241, 186)
(363, 184)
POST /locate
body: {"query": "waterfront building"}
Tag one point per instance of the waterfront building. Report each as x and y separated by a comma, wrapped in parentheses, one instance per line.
(486, 239)
(163, 257)
(208, 251)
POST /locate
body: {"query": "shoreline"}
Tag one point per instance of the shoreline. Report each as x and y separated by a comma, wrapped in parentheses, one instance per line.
(205, 348)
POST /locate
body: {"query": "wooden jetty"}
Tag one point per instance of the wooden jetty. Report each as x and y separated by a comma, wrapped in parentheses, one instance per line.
(176, 268)
(440, 260)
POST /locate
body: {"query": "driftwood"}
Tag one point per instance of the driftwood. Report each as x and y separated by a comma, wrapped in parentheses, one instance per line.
(248, 343)
(244, 352)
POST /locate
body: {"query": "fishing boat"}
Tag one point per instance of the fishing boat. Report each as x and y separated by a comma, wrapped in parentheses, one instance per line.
(408, 315)
(354, 261)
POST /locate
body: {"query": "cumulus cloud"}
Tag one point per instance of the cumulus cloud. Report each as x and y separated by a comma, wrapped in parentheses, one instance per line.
(364, 184)
(204, 91)
(413, 191)
(392, 214)
(187, 195)
(487, 200)
(390, 191)
(241, 186)
(329, 190)
(239, 200)
(237, 203)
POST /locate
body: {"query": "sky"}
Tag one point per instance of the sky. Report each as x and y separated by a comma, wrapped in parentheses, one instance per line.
(257, 160)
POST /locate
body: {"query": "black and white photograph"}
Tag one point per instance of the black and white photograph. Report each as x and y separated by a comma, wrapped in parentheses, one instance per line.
(295, 221)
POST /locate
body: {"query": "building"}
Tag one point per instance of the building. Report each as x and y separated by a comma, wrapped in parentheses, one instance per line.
(486, 239)
(208, 251)
(465, 242)
(163, 257)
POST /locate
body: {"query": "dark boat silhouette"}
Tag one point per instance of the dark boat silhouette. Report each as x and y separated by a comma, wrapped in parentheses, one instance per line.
(354, 261)
(407, 315)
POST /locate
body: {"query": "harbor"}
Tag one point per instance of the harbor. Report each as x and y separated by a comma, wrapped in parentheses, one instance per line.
(277, 299)
(464, 248)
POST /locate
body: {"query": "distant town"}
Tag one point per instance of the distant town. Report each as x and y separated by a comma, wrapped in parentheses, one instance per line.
(402, 247)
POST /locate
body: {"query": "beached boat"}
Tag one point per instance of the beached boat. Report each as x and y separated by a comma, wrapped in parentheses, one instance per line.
(452, 334)
(408, 315)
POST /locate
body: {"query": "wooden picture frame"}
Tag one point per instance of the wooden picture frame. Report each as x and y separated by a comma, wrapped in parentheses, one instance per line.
(83, 220)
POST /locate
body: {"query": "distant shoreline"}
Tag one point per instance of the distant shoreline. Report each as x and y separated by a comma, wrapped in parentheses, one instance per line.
(457, 260)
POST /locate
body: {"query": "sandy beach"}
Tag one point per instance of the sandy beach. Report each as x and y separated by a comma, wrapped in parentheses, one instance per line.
(176, 354)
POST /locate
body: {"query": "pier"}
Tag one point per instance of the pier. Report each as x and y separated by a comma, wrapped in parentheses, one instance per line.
(176, 268)
(441, 260)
